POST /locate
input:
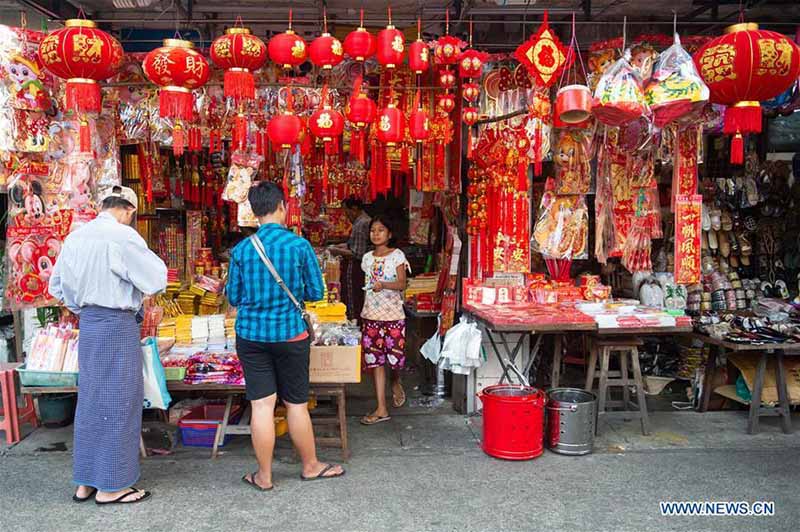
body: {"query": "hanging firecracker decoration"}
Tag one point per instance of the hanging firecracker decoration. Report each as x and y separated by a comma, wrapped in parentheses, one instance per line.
(327, 125)
(360, 112)
(418, 53)
(288, 49)
(447, 48)
(543, 55)
(178, 69)
(419, 129)
(284, 129)
(742, 68)
(391, 45)
(83, 55)
(326, 50)
(360, 44)
(471, 92)
(240, 54)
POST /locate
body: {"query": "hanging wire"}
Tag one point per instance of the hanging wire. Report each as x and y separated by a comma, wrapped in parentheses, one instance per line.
(624, 33)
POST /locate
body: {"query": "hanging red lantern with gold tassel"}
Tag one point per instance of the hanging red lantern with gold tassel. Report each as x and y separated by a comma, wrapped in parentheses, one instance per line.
(446, 103)
(240, 54)
(419, 55)
(391, 45)
(360, 111)
(742, 68)
(179, 69)
(420, 130)
(326, 50)
(391, 125)
(469, 115)
(327, 124)
(360, 44)
(288, 49)
(284, 129)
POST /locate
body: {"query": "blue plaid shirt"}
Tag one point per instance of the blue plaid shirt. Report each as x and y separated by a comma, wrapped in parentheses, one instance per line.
(265, 312)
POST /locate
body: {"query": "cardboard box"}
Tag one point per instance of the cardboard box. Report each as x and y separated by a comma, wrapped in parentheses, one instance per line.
(335, 364)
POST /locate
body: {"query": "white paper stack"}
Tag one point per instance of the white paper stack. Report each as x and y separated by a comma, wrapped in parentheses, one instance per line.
(216, 331)
(199, 330)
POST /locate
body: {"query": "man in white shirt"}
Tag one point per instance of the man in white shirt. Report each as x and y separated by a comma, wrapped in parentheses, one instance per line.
(102, 274)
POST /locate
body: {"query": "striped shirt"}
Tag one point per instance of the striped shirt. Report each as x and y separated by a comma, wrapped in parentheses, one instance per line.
(264, 311)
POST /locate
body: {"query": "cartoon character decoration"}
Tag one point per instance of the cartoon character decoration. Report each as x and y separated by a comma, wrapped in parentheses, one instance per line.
(600, 60)
(35, 260)
(27, 198)
(572, 157)
(25, 75)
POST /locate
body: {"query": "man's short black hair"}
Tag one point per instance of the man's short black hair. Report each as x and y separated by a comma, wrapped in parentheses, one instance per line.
(115, 202)
(353, 203)
(265, 198)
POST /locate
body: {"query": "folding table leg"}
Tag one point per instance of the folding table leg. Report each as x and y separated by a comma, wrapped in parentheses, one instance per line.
(783, 393)
(755, 400)
(222, 427)
(512, 356)
(555, 375)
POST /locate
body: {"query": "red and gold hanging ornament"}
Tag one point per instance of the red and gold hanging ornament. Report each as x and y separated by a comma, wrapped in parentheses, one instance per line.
(240, 54)
(470, 64)
(447, 79)
(288, 49)
(446, 103)
(543, 55)
(419, 129)
(284, 129)
(419, 55)
(469, 115)
(360, 44)
(327, 124)
(391, 125)
(360, 112)
(471, 92)
(391, 45)
(178, 69)
(742, 68)
(83, 55)
(326, 50)
(447, 48)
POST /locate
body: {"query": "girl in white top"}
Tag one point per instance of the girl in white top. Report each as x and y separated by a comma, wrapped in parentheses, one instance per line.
(384, 324)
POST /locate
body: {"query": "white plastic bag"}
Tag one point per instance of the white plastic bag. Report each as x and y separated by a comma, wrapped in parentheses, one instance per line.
(462, 348)
(155, 380)
(432, 348)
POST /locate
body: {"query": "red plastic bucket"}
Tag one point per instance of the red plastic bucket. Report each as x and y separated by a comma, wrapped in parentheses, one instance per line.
(513, 421)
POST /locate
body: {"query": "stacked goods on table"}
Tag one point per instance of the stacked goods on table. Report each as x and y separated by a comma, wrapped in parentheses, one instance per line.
(52, 359)
(629, 314)
(689, 361)
(421, 291)
(220, 367)
(325, 312)
(183, 329)
(533, 288)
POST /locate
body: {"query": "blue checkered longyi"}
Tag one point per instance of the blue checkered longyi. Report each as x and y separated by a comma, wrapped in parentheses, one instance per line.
(264, 311)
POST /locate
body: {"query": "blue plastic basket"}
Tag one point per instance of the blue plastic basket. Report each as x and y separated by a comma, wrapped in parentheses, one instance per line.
(199, 427)
(31, 377)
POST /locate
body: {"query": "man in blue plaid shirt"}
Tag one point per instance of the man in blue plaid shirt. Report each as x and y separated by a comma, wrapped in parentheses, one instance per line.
(271, 337)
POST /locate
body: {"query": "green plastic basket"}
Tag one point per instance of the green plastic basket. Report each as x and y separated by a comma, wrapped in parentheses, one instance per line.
(175, 374)
(30, 377)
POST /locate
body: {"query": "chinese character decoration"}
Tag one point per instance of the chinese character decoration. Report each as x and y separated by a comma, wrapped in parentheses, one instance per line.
(288, 49)
(178, 69)
(360, 112)
(83, 55)
(326, 50)
(543, 55)
(327, 124)
(742, 68)
(391, 45)
(420, 130)
(240, 54)
(688, 211)
(686, 158)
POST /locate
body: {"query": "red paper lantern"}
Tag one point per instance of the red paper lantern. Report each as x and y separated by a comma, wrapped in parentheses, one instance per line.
(419, 125)
(326, 50)
(284, 129)
(447, 79)
(359, 43)
(240, 54)
(446, 103)
(471, 92)
(288, 49)
(470, 115)
(360, 108)
(83, 55)
(419, 56)
(326, 123)
(178, 69)
(742, 68)
(391, 125)
(391, 45)
(470, 64)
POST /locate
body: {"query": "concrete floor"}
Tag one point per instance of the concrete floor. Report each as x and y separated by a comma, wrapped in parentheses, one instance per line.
(425, 470)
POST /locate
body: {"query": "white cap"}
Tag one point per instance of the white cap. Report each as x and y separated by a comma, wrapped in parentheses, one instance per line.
(121, 192)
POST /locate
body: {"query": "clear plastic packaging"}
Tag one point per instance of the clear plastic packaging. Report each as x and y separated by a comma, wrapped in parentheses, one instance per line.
(619, 98)
(572, 158)
(561, 231)
(243, 170)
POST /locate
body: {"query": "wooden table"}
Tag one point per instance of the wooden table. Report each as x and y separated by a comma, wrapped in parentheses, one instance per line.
(766, 350)
(335, 391)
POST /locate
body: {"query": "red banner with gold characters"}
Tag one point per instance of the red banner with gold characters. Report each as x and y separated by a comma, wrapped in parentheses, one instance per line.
(684, 174)
(688, 211)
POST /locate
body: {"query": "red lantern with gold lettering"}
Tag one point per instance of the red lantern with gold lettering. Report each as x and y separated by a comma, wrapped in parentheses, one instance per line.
(240, 54)
(83, 55)
(359, 43)
(447, 48)
(178, 69)
(360, 112)
(419, 55)
(419, 130)
(284, 129)
(326, 124)
(391, 45)
(391, 125)
(326, 50)
(288, 49)
(742, 68)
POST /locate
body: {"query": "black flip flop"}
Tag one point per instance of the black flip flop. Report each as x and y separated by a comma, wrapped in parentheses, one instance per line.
(252, 482)
(79, 500)
(322, 475)
(119, 500)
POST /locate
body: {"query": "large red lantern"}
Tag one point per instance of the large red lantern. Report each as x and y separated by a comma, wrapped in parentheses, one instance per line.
(359, 43)
(240, 54)
(288, 49)
(742, 68)
(326, 50)
(391, 45)
(391, 125)
(284, 129)
(83, 55)
(419, 123)
(178, 69)
(326, 123)
(360, 109)
(419, 55)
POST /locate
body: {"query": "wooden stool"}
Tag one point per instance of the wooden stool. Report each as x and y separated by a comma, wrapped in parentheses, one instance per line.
(13, 416)
(627, 349)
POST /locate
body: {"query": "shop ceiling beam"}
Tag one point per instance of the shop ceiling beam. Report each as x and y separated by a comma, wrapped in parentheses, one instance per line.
(587, 9)
(52, 9)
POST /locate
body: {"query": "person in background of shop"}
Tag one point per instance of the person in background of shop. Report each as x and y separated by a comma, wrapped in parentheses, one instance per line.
(384, 326)
(271, 336)
(354, 250)
(102, 274)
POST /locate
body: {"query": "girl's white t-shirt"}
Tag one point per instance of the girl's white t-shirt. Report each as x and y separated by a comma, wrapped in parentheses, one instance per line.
(386, 305)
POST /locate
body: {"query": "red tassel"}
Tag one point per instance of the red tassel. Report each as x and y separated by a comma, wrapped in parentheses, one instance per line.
(419, 167)
(469, 144)
(522, 174)
(324, 176)
(737, 149)
(177, 140)
(239, 84)
(259, 144)
(85, 136)
(537, 153)
(187, 189)
(175, 104)
(743, 118)
(83, 96)
(439, 155)
(240, 134)
(404, 157)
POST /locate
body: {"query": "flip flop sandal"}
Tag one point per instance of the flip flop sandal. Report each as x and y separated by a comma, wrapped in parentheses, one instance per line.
(704, 241)
(77, 499)
(322, 475)
(727, 221)
(374, 420)
(402, 400)
(716, 219)
(713, 242)
(706, 219)
(724, 244)
(120, 499)
(252, 482)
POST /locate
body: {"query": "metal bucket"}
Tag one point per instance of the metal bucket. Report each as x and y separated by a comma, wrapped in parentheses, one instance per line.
(571, 417)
